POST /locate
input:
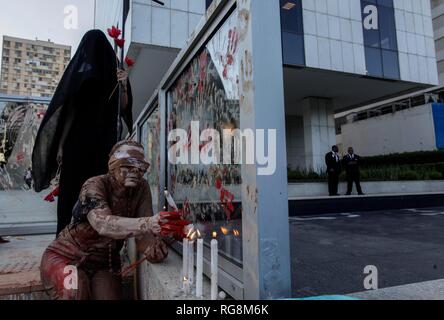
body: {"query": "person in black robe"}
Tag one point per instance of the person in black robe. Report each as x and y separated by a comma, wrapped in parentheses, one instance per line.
(80, 126)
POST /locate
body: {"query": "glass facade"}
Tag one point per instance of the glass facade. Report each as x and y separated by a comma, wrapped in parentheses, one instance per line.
(150, 139)
(380, 41)
(292, 32)
(207, 92)
(19, 124)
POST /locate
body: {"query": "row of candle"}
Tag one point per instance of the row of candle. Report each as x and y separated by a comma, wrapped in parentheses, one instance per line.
(188, 259)
(188, 266)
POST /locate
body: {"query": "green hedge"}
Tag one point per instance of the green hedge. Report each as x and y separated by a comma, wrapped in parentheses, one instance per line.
(410, 158)
(404, 172)
(395, 168)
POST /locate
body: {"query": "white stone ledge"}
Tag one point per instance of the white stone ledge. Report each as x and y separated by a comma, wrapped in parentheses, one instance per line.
(379, 188)
(163, 281)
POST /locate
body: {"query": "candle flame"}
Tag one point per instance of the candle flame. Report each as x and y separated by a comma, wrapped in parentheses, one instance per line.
(189, 234)
(193, 235)
(199, 235)
(214, 234)
(224, 230)
(236, 233)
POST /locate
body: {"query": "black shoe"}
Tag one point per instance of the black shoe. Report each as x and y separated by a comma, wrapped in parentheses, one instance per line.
(362, 194)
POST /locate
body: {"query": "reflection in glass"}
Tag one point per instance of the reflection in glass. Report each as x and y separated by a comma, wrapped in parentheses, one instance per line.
(207, 92)
(291, 16)
(150, 137)
(388, 29)
(19, 124)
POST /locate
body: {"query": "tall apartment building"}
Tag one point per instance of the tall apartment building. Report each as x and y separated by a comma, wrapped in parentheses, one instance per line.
(32, 67)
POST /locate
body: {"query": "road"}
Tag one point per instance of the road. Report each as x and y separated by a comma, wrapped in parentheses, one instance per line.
(329, 252)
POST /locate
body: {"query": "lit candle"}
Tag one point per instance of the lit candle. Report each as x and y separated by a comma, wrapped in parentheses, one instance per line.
(186, 285)
(214, 268)
(227, 241)
(199, 268)
(191, 262)
(185, 262)
(237, 245)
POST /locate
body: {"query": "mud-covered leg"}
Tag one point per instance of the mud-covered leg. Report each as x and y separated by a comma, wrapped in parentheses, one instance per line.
(54, 271)
(106, 286)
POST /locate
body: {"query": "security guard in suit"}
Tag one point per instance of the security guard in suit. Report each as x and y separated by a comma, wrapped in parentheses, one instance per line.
(333, 162)
(351, 164)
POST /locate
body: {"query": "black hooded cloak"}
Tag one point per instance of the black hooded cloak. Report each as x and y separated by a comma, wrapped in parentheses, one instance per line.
(83, 94)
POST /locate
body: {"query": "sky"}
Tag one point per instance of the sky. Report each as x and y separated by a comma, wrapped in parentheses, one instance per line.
(45, 19)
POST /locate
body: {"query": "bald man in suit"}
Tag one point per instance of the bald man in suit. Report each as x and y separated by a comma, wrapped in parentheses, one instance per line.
(333, 162)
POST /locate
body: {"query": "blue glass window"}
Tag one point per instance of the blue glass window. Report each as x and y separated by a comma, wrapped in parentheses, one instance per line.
(380, 40)
(292, 32)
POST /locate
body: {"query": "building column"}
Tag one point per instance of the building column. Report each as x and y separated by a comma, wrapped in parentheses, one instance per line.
(319, 131)
(295, 142)
(266, 239)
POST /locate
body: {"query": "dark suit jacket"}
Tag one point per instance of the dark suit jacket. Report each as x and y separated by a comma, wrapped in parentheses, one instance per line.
(351, 165)
(333, 163)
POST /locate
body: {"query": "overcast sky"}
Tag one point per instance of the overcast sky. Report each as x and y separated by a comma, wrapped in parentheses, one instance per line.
(44, 19)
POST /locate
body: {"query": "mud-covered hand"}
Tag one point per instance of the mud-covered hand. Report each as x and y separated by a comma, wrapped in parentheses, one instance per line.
(173, 225)
(122, 77)
(157, 251)
(154, 224)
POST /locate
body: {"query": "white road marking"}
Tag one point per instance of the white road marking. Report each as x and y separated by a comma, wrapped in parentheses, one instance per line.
(432, 214)
(421, 211)
(342, 215)
(311, 219)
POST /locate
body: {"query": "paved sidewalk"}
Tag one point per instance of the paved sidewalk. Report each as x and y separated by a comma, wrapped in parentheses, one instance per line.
(20, 269)
(25, 212)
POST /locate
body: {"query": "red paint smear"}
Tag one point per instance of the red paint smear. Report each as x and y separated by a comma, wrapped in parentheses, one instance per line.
(226, 199)
(233, 39)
